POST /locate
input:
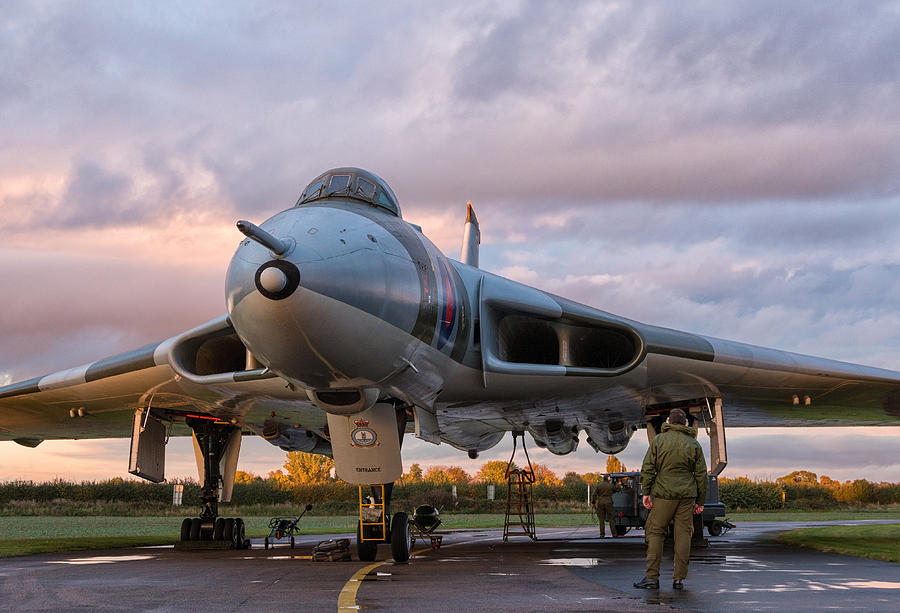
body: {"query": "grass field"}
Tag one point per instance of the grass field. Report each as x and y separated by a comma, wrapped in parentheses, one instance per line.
(892, 512)
(874, 541)
(169, 527)
(43, 534)
(34, 534)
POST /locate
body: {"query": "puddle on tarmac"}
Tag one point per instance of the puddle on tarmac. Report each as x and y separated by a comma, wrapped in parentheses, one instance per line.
(878, 585)
(377, 576)
(807, 585)
(500, 574)
(574, 562)
(716, 559)
(101, 560)
(565, 549)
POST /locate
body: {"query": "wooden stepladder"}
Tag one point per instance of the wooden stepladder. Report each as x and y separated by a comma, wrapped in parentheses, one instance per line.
(519, 496)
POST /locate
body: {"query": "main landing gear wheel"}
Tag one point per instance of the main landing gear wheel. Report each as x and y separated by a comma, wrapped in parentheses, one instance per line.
(365, 550)
(401, 537)
(219, 529)
(195, 528)
(228, 530)
(238, 533)
(714, 528)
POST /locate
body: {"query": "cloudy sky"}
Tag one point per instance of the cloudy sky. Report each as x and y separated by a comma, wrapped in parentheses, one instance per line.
(731, 169)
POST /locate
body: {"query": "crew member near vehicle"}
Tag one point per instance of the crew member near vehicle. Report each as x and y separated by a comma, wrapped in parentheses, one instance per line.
(673, 478)
(603, 506)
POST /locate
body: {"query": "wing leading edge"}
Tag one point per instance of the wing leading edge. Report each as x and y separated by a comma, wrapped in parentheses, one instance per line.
(213, 374)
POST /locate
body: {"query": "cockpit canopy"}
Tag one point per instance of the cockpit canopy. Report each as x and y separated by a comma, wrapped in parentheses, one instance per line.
(353, 183)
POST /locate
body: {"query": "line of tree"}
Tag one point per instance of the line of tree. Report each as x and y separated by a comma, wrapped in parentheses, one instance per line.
(307, 478)
(307, 468)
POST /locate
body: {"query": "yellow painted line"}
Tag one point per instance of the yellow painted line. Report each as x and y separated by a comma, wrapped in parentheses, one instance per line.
(347, 597)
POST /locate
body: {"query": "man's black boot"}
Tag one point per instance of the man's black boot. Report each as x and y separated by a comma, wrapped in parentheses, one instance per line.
(677, 584)
(647, 584)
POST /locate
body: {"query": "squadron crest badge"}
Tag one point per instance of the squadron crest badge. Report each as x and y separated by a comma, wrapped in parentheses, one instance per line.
(363, 435)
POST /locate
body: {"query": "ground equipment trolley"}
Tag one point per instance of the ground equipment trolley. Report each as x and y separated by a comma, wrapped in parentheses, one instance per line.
(284, 527)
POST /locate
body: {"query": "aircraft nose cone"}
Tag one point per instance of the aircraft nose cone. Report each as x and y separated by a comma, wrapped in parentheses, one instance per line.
(316, 314)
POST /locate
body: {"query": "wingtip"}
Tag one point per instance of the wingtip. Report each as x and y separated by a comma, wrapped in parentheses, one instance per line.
(470, 213)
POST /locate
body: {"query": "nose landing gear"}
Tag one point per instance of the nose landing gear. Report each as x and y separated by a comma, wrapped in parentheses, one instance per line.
(377, 525)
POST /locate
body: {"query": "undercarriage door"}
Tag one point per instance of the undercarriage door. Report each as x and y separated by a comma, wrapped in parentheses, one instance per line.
(366, 445)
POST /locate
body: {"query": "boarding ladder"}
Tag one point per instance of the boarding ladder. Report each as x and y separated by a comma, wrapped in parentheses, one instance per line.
(519, 519)
(372, 516)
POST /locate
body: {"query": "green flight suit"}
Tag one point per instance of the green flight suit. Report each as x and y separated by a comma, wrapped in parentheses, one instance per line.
(674, 473)
(603, 506)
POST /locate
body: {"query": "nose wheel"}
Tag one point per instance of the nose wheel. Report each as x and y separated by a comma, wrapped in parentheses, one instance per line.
(401, 537)
(366, 550)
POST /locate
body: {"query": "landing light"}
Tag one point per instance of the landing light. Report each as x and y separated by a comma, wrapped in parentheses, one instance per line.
(277, 279)
(273, 279)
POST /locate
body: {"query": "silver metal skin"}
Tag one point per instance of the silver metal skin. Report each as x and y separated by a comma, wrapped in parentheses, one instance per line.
(275, 245)
(337, 304)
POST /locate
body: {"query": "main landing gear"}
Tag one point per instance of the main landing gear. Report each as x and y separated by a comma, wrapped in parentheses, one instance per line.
(216, 445)
(228, 531)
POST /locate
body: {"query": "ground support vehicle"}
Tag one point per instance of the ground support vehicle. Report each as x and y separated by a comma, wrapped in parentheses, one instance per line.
(281, 528)
(629, 511)
(425, 521)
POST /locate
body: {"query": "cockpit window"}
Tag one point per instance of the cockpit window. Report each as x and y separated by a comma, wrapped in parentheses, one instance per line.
(366, 189)
(383, 199)
(313, 190)
(339, 183)
(354, 183)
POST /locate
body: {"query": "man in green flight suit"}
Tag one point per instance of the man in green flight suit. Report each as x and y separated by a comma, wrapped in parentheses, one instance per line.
(673, 478)
(603, 506)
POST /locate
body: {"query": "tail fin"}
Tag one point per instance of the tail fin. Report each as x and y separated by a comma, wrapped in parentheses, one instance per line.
(468, 254)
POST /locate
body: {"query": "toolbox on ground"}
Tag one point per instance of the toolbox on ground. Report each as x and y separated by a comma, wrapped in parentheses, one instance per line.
(333, 550)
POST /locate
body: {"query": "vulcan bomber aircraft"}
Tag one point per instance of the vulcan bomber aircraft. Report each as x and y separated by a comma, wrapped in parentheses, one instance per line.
(347, 329)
